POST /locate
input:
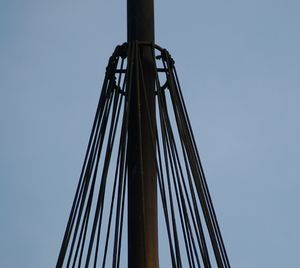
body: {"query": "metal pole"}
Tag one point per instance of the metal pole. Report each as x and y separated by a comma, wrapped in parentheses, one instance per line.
(140, 20)
(142, 184)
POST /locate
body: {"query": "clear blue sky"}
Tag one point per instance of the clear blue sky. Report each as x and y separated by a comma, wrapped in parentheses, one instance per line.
(239, 66)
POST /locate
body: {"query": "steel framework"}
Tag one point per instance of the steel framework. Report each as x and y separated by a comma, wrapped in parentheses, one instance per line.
(142, 168)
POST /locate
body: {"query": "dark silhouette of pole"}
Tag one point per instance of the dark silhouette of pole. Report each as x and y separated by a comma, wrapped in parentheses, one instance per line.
(140, 20)
(142, 185)
(142, 140)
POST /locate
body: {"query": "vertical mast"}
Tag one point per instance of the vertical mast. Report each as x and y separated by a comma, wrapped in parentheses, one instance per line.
(140, 20)
(142, 185)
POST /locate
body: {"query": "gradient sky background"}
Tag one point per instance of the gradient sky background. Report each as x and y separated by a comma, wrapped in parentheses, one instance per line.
(239, 66)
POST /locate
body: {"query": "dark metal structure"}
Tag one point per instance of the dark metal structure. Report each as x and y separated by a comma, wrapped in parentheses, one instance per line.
(142, 185)
(142, 169)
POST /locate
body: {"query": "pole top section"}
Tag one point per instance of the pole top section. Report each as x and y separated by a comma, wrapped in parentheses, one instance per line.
(140, 20)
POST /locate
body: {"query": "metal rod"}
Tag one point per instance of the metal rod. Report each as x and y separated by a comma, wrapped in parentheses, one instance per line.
(140, 20)
(142, 184)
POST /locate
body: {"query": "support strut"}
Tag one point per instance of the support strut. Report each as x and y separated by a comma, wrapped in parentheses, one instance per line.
(142, 184)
